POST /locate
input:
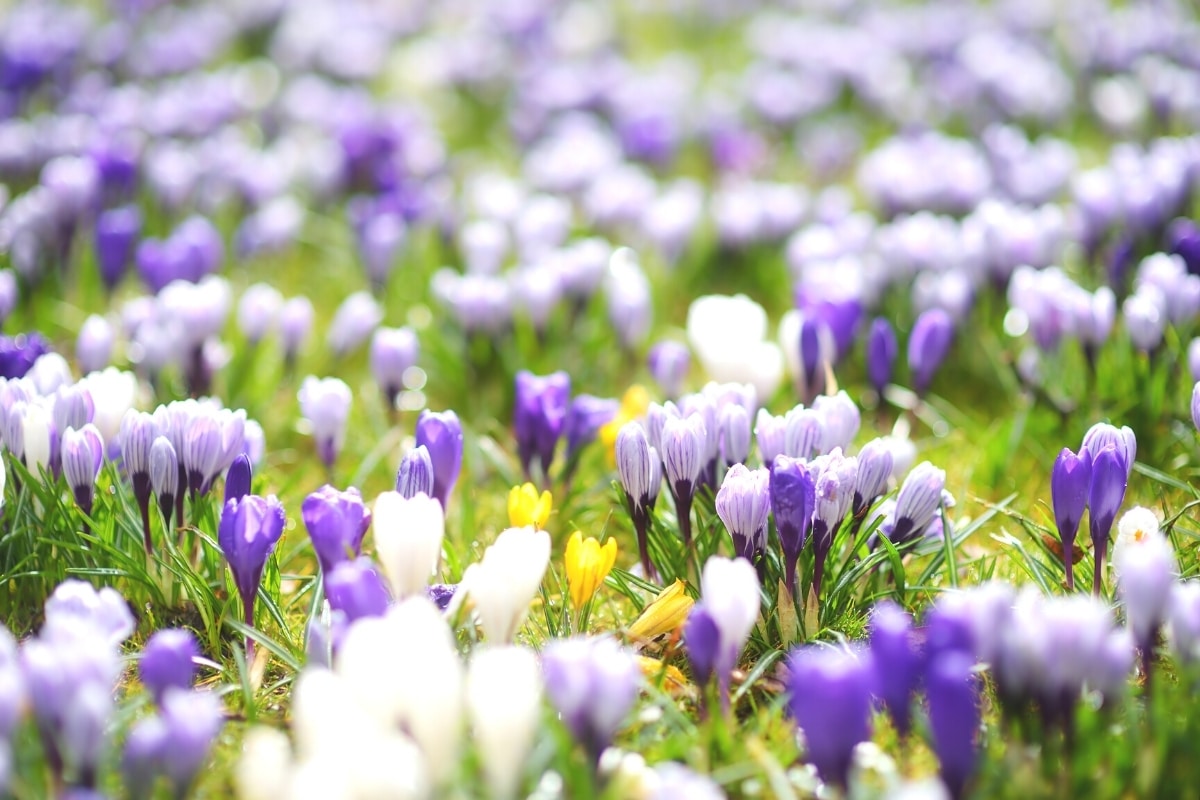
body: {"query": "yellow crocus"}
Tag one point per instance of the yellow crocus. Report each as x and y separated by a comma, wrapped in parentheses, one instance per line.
(665, 613)
(673, 681)
(634, 403)
(528, 509)
(588, 564)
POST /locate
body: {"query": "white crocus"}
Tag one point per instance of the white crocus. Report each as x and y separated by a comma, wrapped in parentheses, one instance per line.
(729, 591)
(113, 393)
(1137, 526)
(408, 540)
(506, 580)
(728, 335)
(262, 771)
(37, 434)
(504, 693)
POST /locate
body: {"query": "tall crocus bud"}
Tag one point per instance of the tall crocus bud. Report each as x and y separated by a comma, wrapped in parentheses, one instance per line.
(881, 354)
(793, 499)
(743, 504)
(82, 455)
(830, 693)
(238, 478)
(729, 592)
(587, 564)
(539, 415)
(415, 475)
(585, 417)
(1123, 440)
(441, 434)
(393, 352)
(637, 465)
(702, 638)
(295, 325)
(116, 234)
(683, 446)
(1146, 573)
(733, 422)
(669, 362)
(168, 661)
(408, 540)
(771, 434)
(247, 534)
(953, 691)
(834, 477)
(505, 580)
(504, 703)
(336, 523)
(917, 503)
(593, 684)
(874, 470)
(1070, 481)
(94, 346)
(897, 662)
(355, 590)
(164, 479)
(136, 437)
(1105, 496)
(325, 403)
(928, 345)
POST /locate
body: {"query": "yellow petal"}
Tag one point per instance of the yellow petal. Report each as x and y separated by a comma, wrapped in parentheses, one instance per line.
(635, 402)
(673, 680)
(664, 614)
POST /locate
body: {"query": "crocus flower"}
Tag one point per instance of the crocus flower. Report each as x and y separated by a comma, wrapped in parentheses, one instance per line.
(393, 352)
(585, 417)
(1123, 440)
(803, 433)
(1105, 495)
(1183, 622)
(238, 478)
(94, 346)
(834, 478)
(771, 434)
(1070, 481)
(38, 436)
(683, 445)
(116, 233)
(527, 508)
(82, 455)
(168, 661)
(743, 503)
(733, 422)
(355, 590)
(441, 434)
(593, 684)
(504, 703)
(415, 475)
(669, 362)
(336, 522)
(793, 499)
(639, 469)
(927, 346)
(953, 691)
(136, 439)
(881, 354)
(729, 592)
(355, 319)
(664, 614)
(897, 662)
(874, 469)
(505, 580)
(295, 324)
(164, 479)
(408, 540)
(917, 503)
(174, 743)
(1146, 573)
(539, 415)
(587, 563)
(249, 529)
(830, 699)
(1196, 406)
(258, 311)
(325, 403)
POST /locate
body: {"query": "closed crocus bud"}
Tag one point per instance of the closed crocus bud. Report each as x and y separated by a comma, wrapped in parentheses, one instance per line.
(539, 415)
(874, 470)
(834, 477)
(1146, 573)
(295, 325)
(793, 499)
(503, 698)
(683, 447)
(954, 715)
(743, 503)
(116, 236)
(733, 422)
(441, 434)
(415, 475)
(93, 348)
(164, 479)
(928, 345)
(637, 466)
(355, 319)
(258, 311)
(587, 564)
(82, 455)
(897, 662)
(729, 591)
(38, 435)
(393, 352)
(355, 589)
(840, 420)
(917, 503)
(408, 540)
(830, 692)
(505, 581)
(586, 415)
(201, 453)
(1105, 496)
(325, 403)
(113, 393)
(1183, 623)
(771, 434)
(803, 433)
(669, 362)
(1123, 440)
(593, 684)
(1070, 481)
(702, 638)
(238, 478)
(336, 522)
(168, 661)
(247, 534)
(881, 354)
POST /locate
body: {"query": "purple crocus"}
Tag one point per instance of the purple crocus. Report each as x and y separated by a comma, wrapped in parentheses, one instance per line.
(356, 589)
(539, 415)
(743, 503)
(952, 688)
(1196, 406)
(173, 743)
(238, 478)
(669, 362)
(82, 455)
(325, 403)
(897, 662)
(733, 423)
(164, 479)
(917, 504)
(116, 233)
(834, 477)
(793, 498)
(702, 638)
(441, 434)
(415, 475)
(881, 354)
(875, 463)
(585, 416)
(1105, 496)
(927, 347)
(18, 353)
(168, 661)
(683, 446)
(830, 699)
(393, 352)
(247, 534)
(593, 683)
(640, 471)
(336, 521)
(1070, 481)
